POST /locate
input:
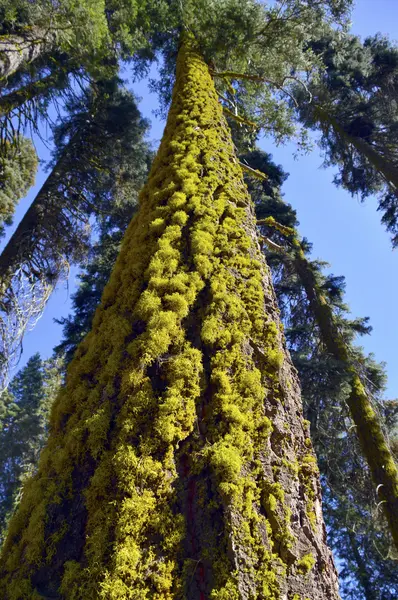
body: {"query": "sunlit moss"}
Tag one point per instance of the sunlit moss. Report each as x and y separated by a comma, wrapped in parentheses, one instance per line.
(305, 564)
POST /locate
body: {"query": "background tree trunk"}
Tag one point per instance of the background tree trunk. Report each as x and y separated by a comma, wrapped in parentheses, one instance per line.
(179, 464)
(17, 50)
(35, 243)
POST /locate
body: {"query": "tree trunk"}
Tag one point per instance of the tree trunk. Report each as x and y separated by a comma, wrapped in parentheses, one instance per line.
(361, 568)
(179, 465)
(18, 50)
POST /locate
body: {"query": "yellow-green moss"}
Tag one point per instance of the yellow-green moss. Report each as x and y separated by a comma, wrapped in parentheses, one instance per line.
(305, 564)
(308, 473)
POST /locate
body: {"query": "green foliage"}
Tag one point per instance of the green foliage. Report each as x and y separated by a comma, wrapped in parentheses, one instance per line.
(125, 171)
(24, 411)
(91, 166)
(78, 27)
(135, 25)
(358, 119)
(18, 166)
(256, 50)
(110, 132)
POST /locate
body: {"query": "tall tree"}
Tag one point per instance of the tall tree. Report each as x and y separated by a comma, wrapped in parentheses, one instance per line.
(178, 462)
(352, 513)
(23, 427)
(95, 150)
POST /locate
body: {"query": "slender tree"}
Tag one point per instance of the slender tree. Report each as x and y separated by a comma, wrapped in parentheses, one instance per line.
(95, 151)
(88, 144)
(178, 462)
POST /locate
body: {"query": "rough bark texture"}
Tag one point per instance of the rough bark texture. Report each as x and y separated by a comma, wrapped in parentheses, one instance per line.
(179, 465)
(18, 50)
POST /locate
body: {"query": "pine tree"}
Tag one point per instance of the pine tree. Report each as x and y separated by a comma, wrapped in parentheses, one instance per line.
(95, 152)
(23, 429)
(97, 270)
(178, 462)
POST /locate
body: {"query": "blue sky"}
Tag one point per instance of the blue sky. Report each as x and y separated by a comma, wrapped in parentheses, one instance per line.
(344, 232)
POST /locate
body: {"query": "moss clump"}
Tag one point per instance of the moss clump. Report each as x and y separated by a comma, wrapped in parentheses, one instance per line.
(305, 564)
(308, 473)
(278, 515)
(228, 592)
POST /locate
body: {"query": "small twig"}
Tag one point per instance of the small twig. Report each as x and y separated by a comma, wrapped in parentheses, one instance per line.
(272, 244)
(253, 172)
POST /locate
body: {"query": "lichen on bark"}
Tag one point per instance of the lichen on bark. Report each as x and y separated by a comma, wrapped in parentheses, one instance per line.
(175, 459)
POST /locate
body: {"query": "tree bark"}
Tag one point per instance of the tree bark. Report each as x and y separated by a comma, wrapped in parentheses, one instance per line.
(179, 464)
(17, 50)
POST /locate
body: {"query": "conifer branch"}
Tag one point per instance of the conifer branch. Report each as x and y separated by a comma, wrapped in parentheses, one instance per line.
(239, 119)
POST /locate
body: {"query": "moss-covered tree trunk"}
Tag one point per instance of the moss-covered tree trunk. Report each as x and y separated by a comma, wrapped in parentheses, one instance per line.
(179, 464)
